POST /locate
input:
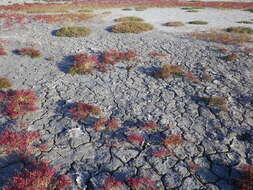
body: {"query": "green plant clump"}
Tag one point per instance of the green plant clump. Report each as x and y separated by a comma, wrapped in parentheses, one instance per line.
(132, 27)
(245, 22)
(73, 31)
(198, 22)
(129, 19)
(240, 30)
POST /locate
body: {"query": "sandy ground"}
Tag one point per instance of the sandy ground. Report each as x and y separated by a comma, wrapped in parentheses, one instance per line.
(219, 142)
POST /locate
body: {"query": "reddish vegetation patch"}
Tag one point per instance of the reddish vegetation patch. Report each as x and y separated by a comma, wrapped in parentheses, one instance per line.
(246, 182)
(21, 142)
(172, 140)
(141, 183)
(193, 166)
(15, 103)
(12, 18)
(114, 56)
(33, 53)
(157, 54)
(112, 183)
(83, 110)
(2, 51)
(136, 139)
(39, 175)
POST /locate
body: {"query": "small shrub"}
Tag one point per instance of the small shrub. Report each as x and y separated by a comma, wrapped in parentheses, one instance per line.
(192, 11)
(4, 83)
(33, 53)
(83, 110)
(129, 19)
(127, 9)
(38, 175)
(172, 140)
(136, 139)
(99, 125)
(232, 57)
(132, 27)
(84, 63)
(198, 22)
(111, 183)
(240, 30)
(175, 24)
(168, 70)
(219, 102)
(114, 56)
(113, 124)
(245, 22)
(140, 8)
(226, 38)
(191, 77)
(73, 31)
(15, 103)
(141, 183)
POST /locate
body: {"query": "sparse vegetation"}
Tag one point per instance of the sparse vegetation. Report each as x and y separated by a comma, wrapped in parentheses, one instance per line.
(112, 183)
(2, 51)
(16, 103)
(246, 181)
(175, 24)
(161, 153)
(240, 30)
(198, 22)
(85, 11)
(221, 37)
(82, 110)
(141, 183)
(33, 53)
(132, 27)
(136, 139)
(129, 19)
(73, 31)
(127, 9)
(4, 83)
(113, 56)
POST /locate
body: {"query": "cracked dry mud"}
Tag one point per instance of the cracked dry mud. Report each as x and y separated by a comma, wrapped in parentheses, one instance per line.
(213, 139)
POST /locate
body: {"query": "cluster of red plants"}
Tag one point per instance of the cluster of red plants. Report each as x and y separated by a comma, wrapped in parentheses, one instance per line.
(33, 53)
(2, 51)
(157, 54)
(105, 123)
(111, 183)
(114, 56)
(136, 139)
(11, 19)
(246, 182)
(22, 142)
(150, 126)
(39, 175)
(141, 183)
(15, 103)
(82, 110)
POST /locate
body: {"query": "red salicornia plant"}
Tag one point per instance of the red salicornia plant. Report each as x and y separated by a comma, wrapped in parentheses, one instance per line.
(33, 53)
(172, 140)
(114, 56)
(161, 153)
(15, 103)
(141, 183)
(104, 123)
(39, 175)
(150, 126)
(111, 183)
(21, 142)
(83, 110)
(246, 182)
(136, 139)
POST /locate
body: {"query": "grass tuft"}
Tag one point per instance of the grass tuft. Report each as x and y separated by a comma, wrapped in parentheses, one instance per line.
(240, 30)
(33, 53)
(129, 19)
(73, 31)
(132, 27)
(175, 23)
(198, 22)
(4, 83)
